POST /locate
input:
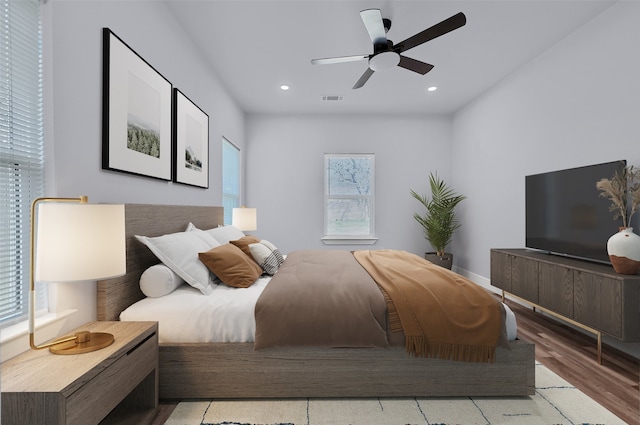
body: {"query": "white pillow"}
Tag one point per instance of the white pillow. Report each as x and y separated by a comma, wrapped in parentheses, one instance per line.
(179, 252)
(267, 256)
(159, 280)
(223, 234)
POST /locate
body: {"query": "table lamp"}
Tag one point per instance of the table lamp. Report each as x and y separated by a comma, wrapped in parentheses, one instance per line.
(244, 219)
(72, 240)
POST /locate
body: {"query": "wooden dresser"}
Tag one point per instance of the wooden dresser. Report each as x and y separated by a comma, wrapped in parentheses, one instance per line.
(115, 385)
(590, 295)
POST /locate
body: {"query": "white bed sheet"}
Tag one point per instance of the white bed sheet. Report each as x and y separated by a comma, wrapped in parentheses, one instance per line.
(227, 313)
(186, 315)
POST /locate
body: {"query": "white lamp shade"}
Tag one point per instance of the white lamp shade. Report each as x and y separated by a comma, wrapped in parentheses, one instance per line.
(244, 219)
(79, 242)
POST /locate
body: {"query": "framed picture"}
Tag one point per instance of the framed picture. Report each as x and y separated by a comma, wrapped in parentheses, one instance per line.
(190, 142)
(136, 113)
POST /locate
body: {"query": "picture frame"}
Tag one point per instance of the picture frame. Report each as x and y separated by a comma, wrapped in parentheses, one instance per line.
(136, 113)
(190, 142)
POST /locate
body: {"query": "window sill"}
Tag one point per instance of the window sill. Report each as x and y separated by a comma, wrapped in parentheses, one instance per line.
(22, 328)
(349, 240)
(14, 338)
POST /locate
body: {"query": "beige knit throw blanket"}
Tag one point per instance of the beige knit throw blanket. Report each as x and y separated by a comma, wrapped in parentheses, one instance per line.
(443, 314)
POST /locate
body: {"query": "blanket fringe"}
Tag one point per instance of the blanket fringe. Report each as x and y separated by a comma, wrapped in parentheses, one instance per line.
(420, 347)
(392, 314)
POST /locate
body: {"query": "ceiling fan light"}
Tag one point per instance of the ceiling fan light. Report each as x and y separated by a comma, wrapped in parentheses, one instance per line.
(384, 60)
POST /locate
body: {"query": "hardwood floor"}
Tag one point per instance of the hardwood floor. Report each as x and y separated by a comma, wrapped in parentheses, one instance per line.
(572, 355)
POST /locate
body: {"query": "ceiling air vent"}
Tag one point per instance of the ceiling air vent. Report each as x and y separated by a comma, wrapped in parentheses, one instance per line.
(335, 98)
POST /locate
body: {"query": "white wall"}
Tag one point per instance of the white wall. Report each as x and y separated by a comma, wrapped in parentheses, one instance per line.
(149, 29)
(72, 68)
(576, 104)
(284, 170)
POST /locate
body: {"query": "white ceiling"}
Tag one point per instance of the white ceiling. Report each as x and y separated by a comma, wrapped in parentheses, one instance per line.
(256, 46)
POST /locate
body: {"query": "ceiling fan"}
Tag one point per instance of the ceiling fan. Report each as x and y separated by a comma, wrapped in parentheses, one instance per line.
(386, 54)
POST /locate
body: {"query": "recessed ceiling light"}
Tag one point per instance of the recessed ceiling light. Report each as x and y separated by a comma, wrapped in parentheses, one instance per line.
(432, 88)
(284, 87)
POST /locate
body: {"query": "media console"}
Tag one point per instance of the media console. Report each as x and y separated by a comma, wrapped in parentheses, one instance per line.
(589, 295)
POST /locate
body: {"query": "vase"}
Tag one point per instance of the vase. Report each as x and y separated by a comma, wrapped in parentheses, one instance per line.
(624, 251)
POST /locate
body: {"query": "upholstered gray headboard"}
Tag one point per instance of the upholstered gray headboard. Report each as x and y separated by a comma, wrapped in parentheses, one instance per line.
(114, 295)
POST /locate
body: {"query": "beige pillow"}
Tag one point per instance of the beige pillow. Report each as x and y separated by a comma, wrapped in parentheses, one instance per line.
(231, 265)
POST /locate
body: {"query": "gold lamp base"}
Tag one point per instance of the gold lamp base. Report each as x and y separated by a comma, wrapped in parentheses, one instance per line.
(84, 342)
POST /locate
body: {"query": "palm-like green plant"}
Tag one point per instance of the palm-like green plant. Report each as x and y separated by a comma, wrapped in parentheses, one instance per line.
(439, 221)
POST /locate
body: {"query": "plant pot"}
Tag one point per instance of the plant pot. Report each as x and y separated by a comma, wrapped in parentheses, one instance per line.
(445, 260)
(624, 251)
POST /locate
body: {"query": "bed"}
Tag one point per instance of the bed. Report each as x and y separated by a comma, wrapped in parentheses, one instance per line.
(236, 370)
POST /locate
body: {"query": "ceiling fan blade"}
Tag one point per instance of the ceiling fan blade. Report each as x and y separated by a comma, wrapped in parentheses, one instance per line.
(341, 59)
(372, 19)
(368, 73)
(448, 25)
(415, 65)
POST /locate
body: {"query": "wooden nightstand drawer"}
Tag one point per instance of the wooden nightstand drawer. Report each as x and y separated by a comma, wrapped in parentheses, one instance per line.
(115, 385)
(105, 391)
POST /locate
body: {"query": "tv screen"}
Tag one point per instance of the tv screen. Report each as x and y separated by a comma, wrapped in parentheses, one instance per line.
(566, 215)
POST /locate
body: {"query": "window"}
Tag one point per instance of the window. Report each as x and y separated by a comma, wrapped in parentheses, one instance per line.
(349, 198)
(21, 151)
(230, 178)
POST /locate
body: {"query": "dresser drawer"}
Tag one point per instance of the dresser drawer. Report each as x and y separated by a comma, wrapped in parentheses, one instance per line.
(94, 400)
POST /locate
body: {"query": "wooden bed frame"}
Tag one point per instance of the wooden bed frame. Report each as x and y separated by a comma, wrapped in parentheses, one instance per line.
(235, 370)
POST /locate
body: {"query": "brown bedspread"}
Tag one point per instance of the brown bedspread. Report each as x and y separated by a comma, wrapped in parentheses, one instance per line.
(443, 314)
(321, 298)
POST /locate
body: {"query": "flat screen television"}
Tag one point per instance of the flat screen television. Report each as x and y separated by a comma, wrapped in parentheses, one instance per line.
(565, 214)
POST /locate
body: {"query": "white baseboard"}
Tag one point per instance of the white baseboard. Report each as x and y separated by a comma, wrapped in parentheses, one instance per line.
(480, 280)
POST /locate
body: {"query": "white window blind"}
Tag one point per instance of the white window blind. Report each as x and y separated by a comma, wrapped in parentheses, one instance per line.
(230, 178)
(21, 150)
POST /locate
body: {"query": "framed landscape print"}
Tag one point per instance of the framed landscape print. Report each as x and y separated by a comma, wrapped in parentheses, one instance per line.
(136, 113)
(190, 142)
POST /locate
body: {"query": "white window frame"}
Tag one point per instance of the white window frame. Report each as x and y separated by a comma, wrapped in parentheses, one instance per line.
(230, 185)
(336, 238)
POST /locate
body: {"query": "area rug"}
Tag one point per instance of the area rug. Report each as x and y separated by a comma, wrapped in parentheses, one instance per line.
(554, 402)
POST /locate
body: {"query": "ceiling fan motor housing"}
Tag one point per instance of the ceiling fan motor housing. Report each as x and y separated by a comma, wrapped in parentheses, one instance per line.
(382, 47)
(384, 57)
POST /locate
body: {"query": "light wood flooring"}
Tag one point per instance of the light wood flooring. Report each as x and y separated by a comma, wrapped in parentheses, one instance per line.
(572, 355)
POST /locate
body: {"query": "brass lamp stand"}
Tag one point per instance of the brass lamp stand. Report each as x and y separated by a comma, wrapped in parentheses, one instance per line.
(73, 241)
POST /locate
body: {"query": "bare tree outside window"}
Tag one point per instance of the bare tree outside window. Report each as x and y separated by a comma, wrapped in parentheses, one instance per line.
(349, 195)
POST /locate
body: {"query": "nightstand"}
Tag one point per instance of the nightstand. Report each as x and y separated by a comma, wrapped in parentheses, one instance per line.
(115, 385)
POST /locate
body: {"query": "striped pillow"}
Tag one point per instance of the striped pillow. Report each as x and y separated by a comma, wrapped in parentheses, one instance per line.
(267, 256)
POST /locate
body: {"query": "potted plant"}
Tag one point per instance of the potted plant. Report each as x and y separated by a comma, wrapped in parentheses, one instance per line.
(439, 220)
(623, 190)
